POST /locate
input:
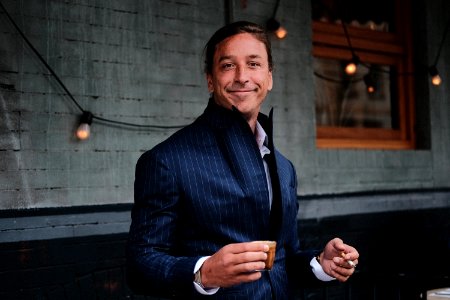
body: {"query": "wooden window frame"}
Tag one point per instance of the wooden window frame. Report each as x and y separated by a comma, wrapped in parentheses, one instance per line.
(381, 48)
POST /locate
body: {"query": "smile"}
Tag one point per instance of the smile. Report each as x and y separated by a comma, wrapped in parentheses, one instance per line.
(241, 91)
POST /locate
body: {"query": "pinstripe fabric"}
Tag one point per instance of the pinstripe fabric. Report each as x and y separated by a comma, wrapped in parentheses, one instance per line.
(199, 190)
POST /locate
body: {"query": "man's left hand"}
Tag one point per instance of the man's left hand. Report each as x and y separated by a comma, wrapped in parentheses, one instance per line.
(335, 259)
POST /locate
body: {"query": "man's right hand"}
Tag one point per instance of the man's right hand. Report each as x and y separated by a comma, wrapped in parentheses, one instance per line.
(234, 264)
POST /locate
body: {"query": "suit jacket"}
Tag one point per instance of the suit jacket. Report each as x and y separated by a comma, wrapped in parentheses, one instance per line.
(201, 189)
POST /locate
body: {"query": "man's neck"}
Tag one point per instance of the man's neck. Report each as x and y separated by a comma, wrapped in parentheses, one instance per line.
(252, 124)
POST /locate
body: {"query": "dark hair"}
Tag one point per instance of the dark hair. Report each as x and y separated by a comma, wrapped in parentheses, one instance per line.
(232, 29)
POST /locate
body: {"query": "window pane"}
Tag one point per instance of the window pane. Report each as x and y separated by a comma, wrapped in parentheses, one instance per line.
(344, 101)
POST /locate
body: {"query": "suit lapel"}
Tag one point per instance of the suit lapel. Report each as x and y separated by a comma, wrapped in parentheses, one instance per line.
(242, 154)
(276, 212)
(239, 148)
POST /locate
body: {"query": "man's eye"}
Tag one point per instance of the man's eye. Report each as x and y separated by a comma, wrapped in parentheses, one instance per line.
(254, 64)
(227, 66)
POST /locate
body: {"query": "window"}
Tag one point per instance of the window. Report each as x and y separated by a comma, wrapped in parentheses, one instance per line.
(372, 108)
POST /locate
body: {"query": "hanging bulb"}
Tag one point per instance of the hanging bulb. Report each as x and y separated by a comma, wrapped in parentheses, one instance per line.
(275, 26)
(370, 84)
(351, 67)
(84, 129)
(435, 78)
(281, 32)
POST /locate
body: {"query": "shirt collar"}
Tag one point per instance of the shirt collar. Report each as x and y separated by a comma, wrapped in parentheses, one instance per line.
(261, 139)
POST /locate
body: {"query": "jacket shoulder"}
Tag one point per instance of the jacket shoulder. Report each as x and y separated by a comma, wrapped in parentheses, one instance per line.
(195, 135)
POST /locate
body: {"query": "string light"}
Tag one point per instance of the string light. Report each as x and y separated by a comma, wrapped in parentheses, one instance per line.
(352, 66)
(370, 82)
(435, 78)
(281, 32)
(84, 129)
(274, 26)
(432, 70)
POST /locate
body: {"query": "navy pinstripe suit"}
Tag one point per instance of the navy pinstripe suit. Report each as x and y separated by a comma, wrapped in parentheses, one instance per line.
(203, 188)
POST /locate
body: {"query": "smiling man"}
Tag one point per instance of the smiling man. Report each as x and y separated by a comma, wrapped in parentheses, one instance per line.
(203, 196)
(241, 75)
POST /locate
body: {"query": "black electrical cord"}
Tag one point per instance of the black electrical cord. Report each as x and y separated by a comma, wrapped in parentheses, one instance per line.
(277, 4)
(67, 90)
(347, 36)
(40, 57)
(354, 55)
(326, 78)
(357, 60)
(442, 44)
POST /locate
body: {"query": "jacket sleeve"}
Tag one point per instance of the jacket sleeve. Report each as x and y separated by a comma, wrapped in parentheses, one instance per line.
(152, 266)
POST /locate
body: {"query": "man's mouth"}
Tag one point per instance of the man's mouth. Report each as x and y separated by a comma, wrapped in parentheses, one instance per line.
(240, 90)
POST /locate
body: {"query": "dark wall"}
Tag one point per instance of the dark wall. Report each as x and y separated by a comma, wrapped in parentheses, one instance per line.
(403, 254)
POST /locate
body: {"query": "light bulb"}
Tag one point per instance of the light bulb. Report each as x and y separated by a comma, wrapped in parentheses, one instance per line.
(436, 79)
(281, 32)
(83, 131)
(274, 26)
(350, 69)
(370, 83)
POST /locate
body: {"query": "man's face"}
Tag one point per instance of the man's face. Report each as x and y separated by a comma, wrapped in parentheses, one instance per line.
(240, 74)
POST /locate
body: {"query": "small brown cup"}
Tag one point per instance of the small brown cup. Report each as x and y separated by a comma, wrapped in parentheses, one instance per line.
(270, 254)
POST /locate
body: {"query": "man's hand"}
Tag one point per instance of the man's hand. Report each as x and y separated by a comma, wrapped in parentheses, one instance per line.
(234, 264)
(334, 259)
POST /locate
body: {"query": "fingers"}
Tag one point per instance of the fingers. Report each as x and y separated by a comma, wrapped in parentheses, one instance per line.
(345, 263)
(246, 247)
(245, 253)
(244, 262)
(235, 263)
(339, 259)
(350, 262)
(250, 267)
(240, 278)
(346, 251)
(341, 269)
(337, 244)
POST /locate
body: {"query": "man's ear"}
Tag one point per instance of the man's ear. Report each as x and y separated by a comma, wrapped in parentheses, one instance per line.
(270, 86)
(210, 83)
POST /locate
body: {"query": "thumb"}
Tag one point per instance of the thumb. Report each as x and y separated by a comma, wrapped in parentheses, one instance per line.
(338, 244)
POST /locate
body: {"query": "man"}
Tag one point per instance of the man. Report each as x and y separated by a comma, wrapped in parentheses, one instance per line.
(203, 195)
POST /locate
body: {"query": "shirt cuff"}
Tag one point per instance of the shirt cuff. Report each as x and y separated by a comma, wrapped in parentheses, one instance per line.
(319, 272)
(198, 288)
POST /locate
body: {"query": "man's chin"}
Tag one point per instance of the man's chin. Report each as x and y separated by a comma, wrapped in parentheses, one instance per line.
(246, 111)
(241, 96)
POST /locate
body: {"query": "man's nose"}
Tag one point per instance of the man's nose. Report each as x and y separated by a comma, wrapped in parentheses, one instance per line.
(241, 74)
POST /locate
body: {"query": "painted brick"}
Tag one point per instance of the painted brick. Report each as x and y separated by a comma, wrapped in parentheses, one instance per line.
(140, 62)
